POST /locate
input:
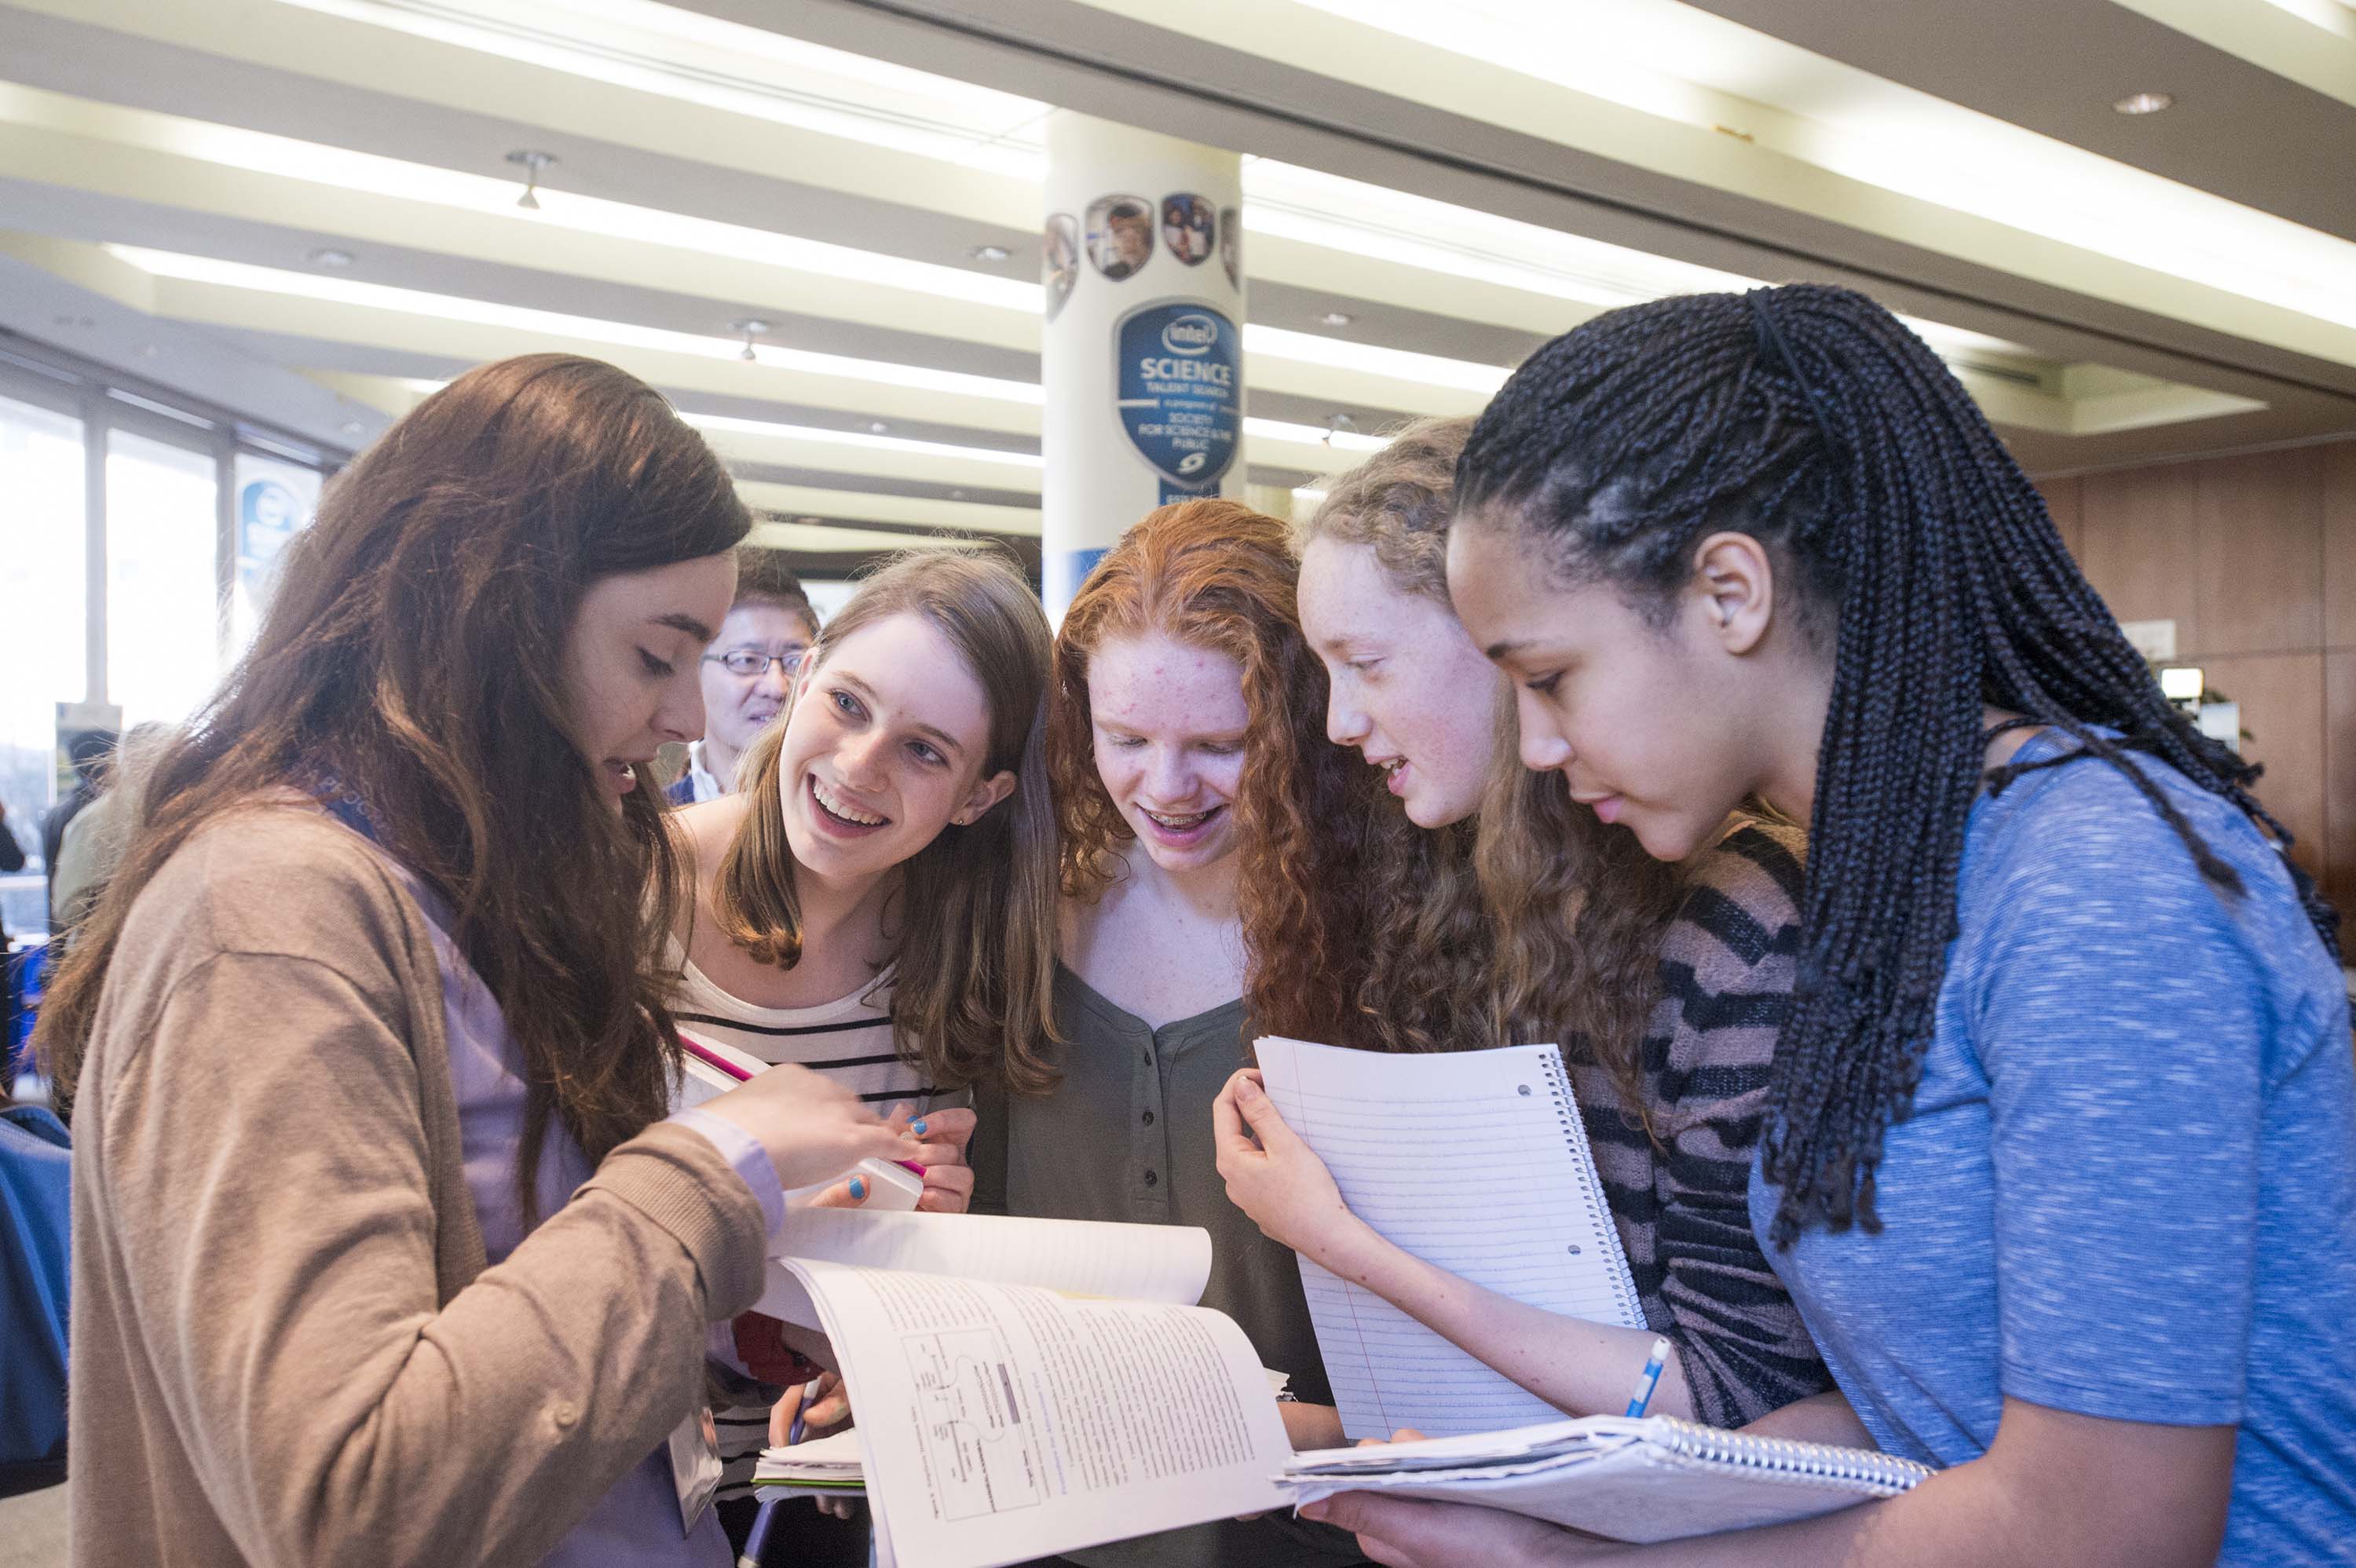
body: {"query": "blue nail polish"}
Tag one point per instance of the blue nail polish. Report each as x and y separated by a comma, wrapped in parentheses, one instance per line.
(858, 1186)
(917, 1128)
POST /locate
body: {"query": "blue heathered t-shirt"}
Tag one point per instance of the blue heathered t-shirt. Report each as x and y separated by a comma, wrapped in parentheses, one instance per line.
(2127, 1186)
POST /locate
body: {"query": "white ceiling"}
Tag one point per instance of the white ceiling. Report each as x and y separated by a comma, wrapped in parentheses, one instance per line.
(303, 208)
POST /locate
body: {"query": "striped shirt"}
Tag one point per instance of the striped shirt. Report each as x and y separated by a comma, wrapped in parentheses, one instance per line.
(1726, 966)
(850, 1040)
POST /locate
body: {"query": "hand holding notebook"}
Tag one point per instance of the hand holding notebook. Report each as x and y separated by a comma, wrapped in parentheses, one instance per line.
(1475, 1163)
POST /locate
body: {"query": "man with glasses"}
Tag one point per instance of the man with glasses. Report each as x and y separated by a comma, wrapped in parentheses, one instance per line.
(748, 671)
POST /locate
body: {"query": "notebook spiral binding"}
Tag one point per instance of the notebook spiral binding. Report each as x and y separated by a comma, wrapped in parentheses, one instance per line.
(1885, 1475)
(1623, 1284)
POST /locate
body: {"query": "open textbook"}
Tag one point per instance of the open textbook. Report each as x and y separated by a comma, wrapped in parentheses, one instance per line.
(1475, 1161)
(1025, 1388)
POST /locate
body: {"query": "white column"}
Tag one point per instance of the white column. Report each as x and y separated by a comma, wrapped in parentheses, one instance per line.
(1143, 350)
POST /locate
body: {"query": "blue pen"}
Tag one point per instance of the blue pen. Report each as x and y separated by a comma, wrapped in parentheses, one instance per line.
(1650, 1377)
(756, 1542)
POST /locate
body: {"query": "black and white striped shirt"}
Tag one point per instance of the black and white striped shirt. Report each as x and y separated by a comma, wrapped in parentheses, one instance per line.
(850, 1039)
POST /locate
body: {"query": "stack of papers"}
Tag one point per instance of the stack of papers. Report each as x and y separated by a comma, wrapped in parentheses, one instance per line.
(1653, 1478)
(823, 1465)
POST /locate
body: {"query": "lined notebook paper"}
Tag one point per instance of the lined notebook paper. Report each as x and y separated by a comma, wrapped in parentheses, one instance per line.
(1474, 1161)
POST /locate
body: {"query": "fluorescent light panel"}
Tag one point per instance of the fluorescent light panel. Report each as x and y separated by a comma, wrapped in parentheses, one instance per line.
(817, 434)
(485, 312)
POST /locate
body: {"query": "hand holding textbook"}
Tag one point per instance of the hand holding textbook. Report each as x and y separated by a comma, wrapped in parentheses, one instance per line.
(1027, 1388)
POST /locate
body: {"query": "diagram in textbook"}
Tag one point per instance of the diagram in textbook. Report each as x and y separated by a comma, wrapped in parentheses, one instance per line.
(981, 1453)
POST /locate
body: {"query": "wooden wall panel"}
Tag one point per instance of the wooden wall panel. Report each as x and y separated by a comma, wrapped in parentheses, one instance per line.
(2139, 544)
(2065, 498)
(2259, 520)
(2340, 780)
(2282, 708)
(2338, 473)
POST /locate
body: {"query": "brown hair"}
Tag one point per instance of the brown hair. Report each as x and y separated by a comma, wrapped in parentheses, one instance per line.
(1216, 574)
(415, 651)
(972, 997)
(1531, 921)
(767, 576)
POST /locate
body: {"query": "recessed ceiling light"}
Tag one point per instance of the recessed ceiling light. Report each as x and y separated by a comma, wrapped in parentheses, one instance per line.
(877, 427)
(533, 161)
(329, 256)
(352, 427)
(1336, 318)
(990, 252)
(751, 327)
(2143, 102)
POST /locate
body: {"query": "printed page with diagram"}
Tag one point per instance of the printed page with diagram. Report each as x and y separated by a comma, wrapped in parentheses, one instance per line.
(999, 1422)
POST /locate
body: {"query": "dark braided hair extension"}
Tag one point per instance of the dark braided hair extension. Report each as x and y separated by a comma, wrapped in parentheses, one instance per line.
(1812, 419)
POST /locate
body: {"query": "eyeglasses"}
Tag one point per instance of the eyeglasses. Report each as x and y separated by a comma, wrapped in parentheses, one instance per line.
(749, 663)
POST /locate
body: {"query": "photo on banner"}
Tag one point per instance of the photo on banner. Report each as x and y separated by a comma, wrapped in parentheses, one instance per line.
(1059, 260)
(1187, 223)
(1120, 235)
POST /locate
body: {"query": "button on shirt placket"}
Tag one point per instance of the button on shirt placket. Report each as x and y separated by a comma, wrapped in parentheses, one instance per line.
(1149, 1189)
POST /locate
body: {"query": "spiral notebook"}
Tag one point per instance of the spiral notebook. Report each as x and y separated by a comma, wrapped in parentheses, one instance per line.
(1651, 1480)
(1475, 1161)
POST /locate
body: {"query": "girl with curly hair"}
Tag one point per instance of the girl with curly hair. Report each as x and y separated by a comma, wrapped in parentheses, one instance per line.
(1182, 745)
(1664, 983)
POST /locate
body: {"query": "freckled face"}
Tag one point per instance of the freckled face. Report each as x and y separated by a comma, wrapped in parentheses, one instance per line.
(1639, 719)
(1406, 686)
(1168, 721)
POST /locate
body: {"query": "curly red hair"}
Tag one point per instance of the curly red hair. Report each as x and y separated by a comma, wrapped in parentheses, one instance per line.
(1218, 575)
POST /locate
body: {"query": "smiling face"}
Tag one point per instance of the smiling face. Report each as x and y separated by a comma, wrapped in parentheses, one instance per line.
(1406, 686)
(1169, 722)
(737, 708)
(630, 670)
(1652, 726)
(885, 747)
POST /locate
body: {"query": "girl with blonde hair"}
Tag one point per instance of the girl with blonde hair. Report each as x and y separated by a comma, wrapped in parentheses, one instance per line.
(1495, 914)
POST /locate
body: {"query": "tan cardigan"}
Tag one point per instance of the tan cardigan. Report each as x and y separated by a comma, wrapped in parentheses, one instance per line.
(286, 1348)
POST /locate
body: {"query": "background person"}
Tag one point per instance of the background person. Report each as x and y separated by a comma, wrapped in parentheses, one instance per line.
(747, 672)
(88, 750)
(382, 1249)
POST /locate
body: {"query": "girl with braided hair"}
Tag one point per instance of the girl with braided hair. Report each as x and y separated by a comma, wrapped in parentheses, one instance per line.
(1665, 983)
(2057, 1161)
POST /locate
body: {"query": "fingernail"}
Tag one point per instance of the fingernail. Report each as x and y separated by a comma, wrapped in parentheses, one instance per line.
(917, 1128)
(859, 1187)
(1315, 1510)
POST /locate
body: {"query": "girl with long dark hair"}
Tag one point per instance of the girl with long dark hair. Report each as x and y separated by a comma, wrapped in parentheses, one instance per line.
(384, 1250)
(2057, 1162)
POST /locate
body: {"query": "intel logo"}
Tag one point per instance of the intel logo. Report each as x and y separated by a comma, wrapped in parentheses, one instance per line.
(1191, 335)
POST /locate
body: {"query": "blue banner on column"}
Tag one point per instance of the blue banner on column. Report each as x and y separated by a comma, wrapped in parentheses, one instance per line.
(1179, 373)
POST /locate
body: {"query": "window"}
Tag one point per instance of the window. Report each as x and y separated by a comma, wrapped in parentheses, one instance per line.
(275, 501)
(44, 629)
(162, 616)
